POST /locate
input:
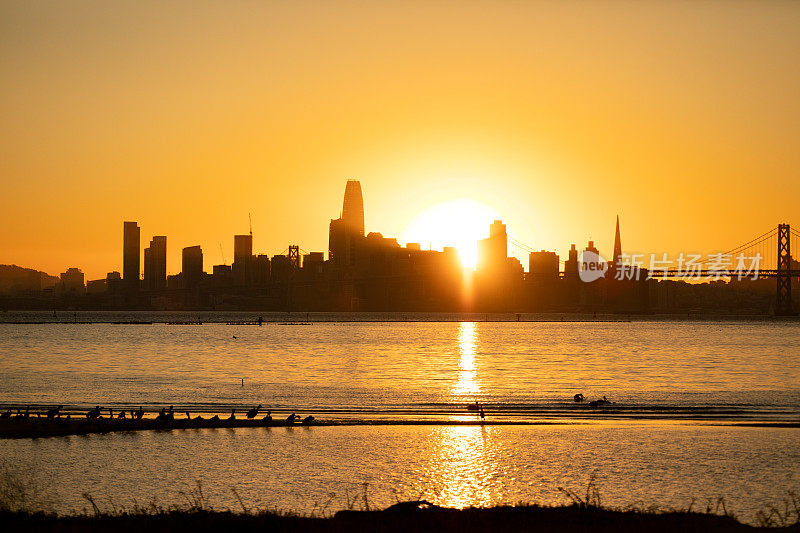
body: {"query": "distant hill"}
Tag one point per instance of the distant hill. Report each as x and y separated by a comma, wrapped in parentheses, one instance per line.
(15, 279)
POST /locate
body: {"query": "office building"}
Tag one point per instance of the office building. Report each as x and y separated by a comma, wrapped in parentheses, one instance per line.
(192, 266)
(242, 259)
(130, 255)
(72, 283)
(155, 264)
(543, 264)
(345, 233)
(353, 207)
(492, 251)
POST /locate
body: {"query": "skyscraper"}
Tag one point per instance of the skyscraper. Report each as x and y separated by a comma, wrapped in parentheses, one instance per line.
(345, 231)
(353, 207)
(155, 264)
(242, 259)
(192, 266)
(617, 245)
(492, 251)
(130, 255)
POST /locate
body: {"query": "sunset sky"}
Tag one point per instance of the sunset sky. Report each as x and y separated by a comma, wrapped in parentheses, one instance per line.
(682, 117)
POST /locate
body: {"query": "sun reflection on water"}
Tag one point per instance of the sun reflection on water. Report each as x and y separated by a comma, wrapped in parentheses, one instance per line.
(464, 467)
(463, 462)
(467, 384)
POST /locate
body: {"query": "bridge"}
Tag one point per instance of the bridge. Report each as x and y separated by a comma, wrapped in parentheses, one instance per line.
(775, 243)
(774, 260)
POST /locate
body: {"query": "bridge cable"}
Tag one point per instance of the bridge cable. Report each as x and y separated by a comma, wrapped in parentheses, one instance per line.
(761, 238)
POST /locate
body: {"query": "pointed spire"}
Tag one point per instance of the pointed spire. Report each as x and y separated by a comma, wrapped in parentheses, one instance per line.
(617, 245)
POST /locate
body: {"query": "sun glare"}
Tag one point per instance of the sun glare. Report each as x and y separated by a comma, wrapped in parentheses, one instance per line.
(459, 223)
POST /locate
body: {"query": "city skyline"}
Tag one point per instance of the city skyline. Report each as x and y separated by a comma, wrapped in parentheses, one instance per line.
(368, 271)
(153, 122)
(133, 232)
(404, 265)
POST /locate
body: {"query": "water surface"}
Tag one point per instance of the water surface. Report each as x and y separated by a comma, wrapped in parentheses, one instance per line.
(677, 386)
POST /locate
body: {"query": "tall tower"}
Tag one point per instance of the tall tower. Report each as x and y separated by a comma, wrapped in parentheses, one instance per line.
(130, 254)
(353, 207)
(344, 232)
(242, 258)
(617, 245)
(155, 264)
(492, 251)
(192, 266)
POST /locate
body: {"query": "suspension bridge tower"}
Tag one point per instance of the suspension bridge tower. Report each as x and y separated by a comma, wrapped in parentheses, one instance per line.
(783, 297)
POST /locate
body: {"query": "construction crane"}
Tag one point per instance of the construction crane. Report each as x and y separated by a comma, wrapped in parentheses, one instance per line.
(222, 254)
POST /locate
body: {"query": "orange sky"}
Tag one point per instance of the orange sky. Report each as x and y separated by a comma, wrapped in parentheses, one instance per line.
(682, 117)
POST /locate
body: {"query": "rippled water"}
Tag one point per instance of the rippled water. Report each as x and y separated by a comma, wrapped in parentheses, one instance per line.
(668, 379)
(663, 369)
(302, 468)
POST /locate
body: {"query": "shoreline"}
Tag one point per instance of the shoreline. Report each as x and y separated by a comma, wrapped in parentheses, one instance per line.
(580, 516)
(297, 318)
(35, 428)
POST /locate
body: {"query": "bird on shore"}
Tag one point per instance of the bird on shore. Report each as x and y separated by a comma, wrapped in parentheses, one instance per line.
(5, 415)
(54, 412)
(268, 417)
(214, 418)
(138, 414)
(252, 413)
(292, 418)
(233, 415)
(122, 415)
(93, 413)
(165, 415)
(308, 420)
(578, 398)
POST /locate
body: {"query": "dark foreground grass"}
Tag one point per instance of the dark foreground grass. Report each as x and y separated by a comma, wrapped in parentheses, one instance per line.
(24, 506)
(402, 517)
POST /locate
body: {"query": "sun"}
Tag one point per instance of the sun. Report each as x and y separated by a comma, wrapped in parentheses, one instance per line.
(458, 223)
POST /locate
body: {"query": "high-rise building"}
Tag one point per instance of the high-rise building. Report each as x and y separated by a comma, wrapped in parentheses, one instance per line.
(260, 264)
(192, 266)
(571, 264)
(345, 232)
(242, 247)
(615, 259)
(543, 264)
(242, 259)
(72, 283)
(353, 207)
(130, 255)
(339, 243)
(492, 251)
(155, 264)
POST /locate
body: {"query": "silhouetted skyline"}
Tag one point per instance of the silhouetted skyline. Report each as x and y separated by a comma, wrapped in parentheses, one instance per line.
(544, 112)
(370, 272)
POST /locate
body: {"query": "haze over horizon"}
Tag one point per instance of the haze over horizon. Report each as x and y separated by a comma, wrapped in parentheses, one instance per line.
(683, 118)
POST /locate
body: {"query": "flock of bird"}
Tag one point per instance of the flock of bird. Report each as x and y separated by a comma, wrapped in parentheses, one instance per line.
(164, 416)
